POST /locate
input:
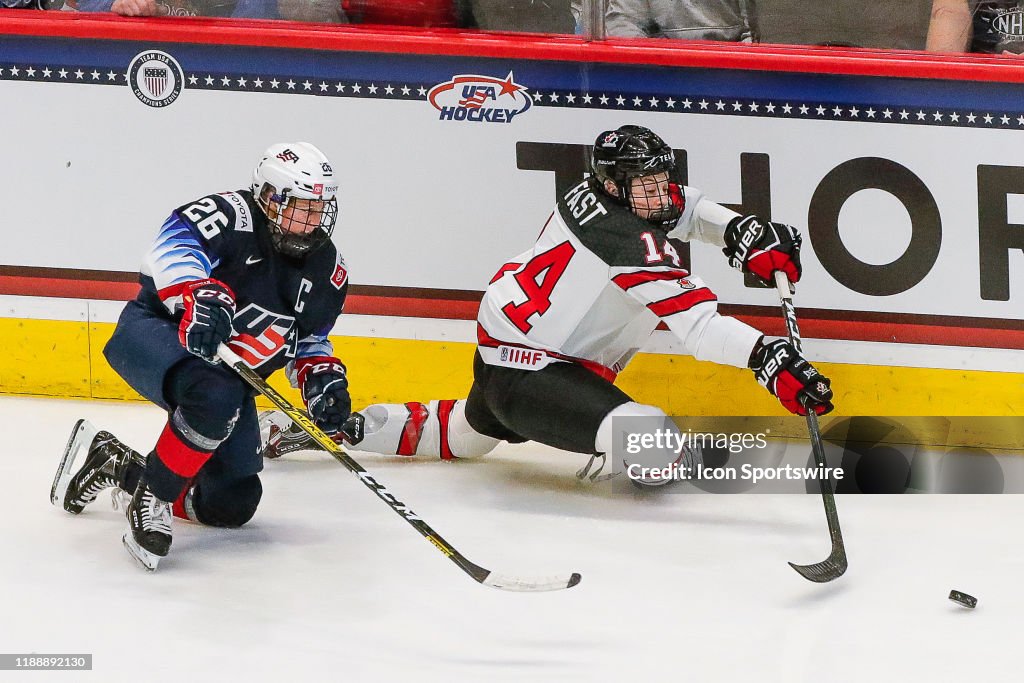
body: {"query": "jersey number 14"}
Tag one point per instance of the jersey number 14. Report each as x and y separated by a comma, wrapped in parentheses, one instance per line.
(537, 279)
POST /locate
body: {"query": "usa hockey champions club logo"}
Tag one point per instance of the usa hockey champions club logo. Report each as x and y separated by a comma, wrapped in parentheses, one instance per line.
(156, 78)
(481, 99)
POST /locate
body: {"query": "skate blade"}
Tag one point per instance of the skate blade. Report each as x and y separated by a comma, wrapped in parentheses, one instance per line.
(146, 559)
(81, 438)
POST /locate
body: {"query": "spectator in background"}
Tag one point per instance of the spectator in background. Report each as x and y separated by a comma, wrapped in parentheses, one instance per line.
(423, 13)
(319, 11)
(328, 11)
(66, 5)
(685, 19)
(533, 16)
(988, 26)
(536, 16)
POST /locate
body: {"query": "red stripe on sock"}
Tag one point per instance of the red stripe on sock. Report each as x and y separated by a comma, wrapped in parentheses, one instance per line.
(413, 428)
(179, 505)
(444, 413)
(178, 456)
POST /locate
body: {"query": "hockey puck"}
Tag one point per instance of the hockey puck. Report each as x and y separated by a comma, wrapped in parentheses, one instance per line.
(963, 599)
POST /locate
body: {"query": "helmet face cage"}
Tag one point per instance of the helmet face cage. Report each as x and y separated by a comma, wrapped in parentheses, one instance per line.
(297, 226)
(295, 186)
(635, 152)
(656, 198)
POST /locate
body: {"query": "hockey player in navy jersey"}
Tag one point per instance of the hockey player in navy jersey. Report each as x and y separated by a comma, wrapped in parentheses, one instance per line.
(559, 322)
(255, 269)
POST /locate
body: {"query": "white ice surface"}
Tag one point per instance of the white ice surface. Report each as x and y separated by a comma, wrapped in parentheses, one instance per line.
(327, 583)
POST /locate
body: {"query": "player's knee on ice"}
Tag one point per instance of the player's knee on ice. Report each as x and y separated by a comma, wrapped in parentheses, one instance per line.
(438, 429)
(666, 459)
(227, 504)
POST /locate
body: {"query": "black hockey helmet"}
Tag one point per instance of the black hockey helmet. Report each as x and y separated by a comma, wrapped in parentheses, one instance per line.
(630, 152)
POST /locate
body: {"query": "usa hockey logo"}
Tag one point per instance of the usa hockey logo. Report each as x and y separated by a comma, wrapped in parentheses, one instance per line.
(155, 78)
(481, 99)
(261, 334)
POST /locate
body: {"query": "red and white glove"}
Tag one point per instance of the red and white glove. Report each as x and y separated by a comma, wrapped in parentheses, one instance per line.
(781, 369)
(763, 248)
(209, 308)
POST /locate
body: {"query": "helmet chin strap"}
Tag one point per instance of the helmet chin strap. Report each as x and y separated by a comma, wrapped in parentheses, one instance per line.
(666, 218)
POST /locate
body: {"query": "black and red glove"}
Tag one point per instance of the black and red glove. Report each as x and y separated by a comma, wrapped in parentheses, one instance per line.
(781, 369)
(324, 388)
(762, 248)
(209, 309)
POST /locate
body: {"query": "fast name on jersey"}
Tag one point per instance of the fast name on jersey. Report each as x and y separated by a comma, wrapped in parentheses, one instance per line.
(583, 203)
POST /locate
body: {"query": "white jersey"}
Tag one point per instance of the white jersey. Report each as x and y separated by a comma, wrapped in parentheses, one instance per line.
(597, 283)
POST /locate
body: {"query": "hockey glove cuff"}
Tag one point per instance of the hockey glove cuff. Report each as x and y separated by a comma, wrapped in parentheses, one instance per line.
(781, 369)
(324, 388)
(206, 323)
(763, 248)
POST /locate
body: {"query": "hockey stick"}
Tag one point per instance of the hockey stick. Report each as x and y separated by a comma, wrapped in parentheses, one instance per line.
(481, 575)
(835, 565)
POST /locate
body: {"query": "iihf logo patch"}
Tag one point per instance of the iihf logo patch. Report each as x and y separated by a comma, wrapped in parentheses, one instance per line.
(155, 78)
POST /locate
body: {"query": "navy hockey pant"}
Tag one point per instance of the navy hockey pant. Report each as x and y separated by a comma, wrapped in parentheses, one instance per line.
(146, 353)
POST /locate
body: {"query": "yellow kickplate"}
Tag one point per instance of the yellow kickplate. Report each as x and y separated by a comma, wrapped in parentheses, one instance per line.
(60, 358)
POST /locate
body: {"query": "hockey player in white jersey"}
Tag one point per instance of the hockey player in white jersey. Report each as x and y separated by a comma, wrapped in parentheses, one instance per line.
(560, 321)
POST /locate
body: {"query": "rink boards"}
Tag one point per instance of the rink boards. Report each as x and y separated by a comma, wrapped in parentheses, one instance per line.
(903, 172)
(395, 359)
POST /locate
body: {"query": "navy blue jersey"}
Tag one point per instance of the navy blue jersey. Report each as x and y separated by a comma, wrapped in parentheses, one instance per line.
(285, 307)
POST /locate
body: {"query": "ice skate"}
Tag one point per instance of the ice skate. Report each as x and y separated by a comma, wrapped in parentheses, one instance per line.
(148, 538)
(103, 460)
(279, 435)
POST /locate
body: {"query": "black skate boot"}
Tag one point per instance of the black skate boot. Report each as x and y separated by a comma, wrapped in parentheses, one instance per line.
(149, 527)
(105, 463)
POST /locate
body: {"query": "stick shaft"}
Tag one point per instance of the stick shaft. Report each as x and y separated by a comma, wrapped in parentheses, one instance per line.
(836, 564)
(299, 417)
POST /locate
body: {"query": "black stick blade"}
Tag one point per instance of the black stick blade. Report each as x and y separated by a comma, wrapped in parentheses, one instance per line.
(823, 572)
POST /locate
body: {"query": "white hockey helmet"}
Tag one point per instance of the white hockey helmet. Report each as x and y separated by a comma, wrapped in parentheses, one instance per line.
(295, 186)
